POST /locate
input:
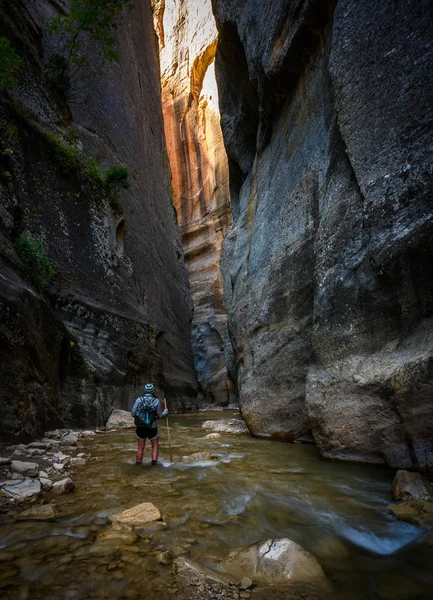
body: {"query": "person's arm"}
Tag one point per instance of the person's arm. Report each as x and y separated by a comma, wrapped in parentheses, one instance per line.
(161, 413)
(134, 408)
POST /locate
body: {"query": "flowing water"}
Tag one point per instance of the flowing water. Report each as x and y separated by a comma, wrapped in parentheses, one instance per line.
(255, 490)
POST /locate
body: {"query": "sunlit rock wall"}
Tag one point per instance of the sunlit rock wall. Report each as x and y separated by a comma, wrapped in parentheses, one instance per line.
(118, 311)
(187, 35)
(327, 120)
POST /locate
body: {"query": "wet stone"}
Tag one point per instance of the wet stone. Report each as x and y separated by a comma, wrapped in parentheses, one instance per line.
(27, 469)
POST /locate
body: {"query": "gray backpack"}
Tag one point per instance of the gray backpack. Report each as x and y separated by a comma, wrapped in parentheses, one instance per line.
(146, 411)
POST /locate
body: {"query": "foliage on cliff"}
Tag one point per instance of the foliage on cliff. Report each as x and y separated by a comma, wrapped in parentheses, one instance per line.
(9, 64)
(32, 252)
(88, 34)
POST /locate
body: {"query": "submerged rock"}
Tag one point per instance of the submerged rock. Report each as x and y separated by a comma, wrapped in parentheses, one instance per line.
(411, 486)
(418, 512)
(137, 516)
(120, 418)
(226, 426)
(278, 562)
(199, 456)
(22, 490)
(192, 574)
(45, 512)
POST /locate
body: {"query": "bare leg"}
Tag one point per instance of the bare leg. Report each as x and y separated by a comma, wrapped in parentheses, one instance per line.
(140, 450)
(154, 443)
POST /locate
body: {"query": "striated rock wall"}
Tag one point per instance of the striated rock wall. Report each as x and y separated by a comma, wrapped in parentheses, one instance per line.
(187, 35)
(118, 311)
(327, 123)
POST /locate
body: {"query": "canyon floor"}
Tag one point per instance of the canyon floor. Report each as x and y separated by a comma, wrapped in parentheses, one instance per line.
(252, 490)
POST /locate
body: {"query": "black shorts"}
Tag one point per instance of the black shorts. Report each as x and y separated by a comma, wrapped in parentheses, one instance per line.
(147, 433)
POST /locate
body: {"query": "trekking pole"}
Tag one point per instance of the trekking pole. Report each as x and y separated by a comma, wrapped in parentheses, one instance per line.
(168, 431)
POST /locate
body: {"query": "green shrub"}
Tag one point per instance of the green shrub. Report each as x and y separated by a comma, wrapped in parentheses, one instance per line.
(116, 178)
(88, 30)
(32, 252)
(9, 64)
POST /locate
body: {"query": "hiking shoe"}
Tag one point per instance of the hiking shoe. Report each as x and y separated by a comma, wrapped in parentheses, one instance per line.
(154, 463)
(138, 462)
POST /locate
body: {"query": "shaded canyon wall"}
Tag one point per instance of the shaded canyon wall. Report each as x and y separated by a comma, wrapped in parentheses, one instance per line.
(327, 123)
(187, 35)
(118, 311)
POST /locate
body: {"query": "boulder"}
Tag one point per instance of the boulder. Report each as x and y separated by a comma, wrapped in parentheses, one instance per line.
(279, 561)
(27, 469)
(22, 490)
(58, 466)
(38, 513)
(137, 516)
(417, 512)
(4, 462)
(64, 486)
(199, 456)
(226, 426)
(212, 436)
(411, 486)
(119, 419)
(46, 483)
(60, 458)
(69, 439)
(77, 462)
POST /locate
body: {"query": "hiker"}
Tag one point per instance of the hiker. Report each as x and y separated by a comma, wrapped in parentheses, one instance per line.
(145, 411)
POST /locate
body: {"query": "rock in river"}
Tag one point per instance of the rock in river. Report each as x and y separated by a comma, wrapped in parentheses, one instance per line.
(64, 486)
(28, 469)
(418, 512)
(22, 490)
(199, 456)
(120, 418)
(226, 426)
(191, 574)
(279, 561)
(137, 516)
(411, 486)
(38, 513)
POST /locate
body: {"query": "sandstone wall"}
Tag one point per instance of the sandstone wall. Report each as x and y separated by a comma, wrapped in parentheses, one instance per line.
(187, 35)
(327, 123)
(118, 311)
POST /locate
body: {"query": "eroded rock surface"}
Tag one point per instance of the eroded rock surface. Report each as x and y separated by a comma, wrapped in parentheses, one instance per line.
(275, 562)
(137, 516)
(198, 162)
(327, 270)
(120, 418)
(226, 426)
(118, 310)
(411, 486)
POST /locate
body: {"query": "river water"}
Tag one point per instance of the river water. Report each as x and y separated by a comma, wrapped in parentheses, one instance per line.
(255, 490)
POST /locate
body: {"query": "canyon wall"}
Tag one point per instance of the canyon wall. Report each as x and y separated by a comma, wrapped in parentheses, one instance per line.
(118, 311)
(187, 36)
(327, 122)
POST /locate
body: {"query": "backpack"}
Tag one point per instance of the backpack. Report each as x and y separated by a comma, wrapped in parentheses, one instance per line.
(146, 411)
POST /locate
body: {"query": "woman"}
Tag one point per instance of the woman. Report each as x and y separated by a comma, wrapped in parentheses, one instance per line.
(146, 410)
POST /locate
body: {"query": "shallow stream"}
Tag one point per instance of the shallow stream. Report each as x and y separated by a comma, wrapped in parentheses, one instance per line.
(255, 490)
